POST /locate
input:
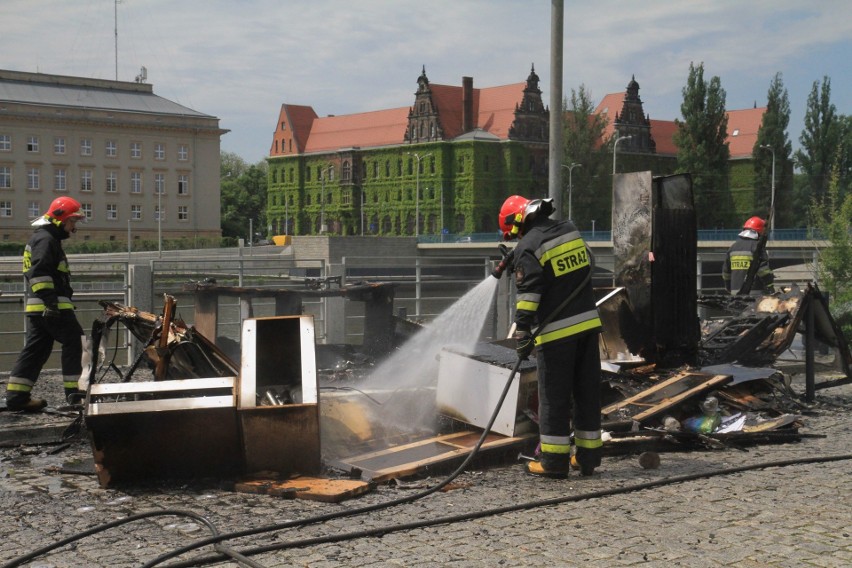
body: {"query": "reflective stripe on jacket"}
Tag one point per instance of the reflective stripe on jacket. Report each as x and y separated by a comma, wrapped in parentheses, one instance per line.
(45, 267)
(551, 261)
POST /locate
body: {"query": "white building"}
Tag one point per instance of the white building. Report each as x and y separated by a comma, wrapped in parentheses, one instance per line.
(136, 161)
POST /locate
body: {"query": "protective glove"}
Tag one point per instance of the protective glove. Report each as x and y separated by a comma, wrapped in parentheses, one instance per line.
(525, 344)
(51, 312)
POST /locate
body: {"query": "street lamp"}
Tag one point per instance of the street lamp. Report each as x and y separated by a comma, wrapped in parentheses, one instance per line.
(615, 149)
(772, 195)
(571, 185)
(159, 221)
(418, 157)
(323, 175)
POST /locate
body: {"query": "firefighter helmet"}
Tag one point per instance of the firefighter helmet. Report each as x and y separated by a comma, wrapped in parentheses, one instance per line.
(512, 216)
(755, 224)
(61, 209)
(64, 208)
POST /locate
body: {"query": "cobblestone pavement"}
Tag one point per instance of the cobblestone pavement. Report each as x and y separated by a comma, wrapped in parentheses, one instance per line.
(797, 515)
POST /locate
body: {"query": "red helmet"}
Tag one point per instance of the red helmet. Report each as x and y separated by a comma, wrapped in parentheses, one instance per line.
(512, 216)
(755, 224)
(65, 208)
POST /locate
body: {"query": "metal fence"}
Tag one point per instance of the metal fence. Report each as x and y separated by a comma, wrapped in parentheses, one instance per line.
(424, 287)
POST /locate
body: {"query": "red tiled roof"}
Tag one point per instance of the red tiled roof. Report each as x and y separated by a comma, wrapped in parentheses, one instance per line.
(365, 129)
(742, 130)
(448, 100)
(493, 111)
(494, 108)
(663, 132)
(742, 127)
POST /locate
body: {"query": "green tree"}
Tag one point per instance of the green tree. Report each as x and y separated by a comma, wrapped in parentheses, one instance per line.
(773, 133)
(833, 217)
(243, 191)
(819, 140)
(702, 147)
(583, 131)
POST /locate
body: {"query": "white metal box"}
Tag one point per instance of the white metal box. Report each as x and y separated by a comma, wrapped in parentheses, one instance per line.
(470, 385)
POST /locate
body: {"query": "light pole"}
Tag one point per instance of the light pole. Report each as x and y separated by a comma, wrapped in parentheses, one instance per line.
(362, 212)
(159, 221)
(442, 212)
(323, 175)
(615, 149)
(418, 157)
(571, 185)
(772, 194)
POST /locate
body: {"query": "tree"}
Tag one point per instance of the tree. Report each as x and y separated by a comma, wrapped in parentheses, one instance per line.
(243, 196)
(833, 217)
(820, 141)
(583, 132)
(702, 147)
(773, 133)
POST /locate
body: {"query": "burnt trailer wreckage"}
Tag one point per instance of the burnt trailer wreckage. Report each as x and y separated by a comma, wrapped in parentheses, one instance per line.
(281, 415)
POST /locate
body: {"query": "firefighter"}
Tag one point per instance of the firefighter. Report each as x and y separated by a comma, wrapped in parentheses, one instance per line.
(553, 266)
(49, 309)
(740, 256)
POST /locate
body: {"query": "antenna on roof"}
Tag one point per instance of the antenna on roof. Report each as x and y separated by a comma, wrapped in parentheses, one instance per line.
(143, 75)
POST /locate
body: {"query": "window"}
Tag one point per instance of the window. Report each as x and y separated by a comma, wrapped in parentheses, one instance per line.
(33, 209)
(387, 168)
(86, 208)
(307, 174)
(347, 173)
(111, 149)
(111, 181)
(33, 179)
(183, 184)
(85, 146)
(346, 197)
(375, 169)
(432, 166)
(159, 184)
(5, 208)
(135, 182)
(410, 166)
(183, 213)
(136, 212)
(86, 179)
(59, 145)
(32, 144)
(136, 150)
(157, 215)
(112, 212)
(5, 177)
(5, 142)
(159, 151)
(183, 152)
(59, 179)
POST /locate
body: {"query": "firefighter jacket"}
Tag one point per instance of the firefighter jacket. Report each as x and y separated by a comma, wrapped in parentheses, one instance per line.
(737, 263)
(551, 262)
(46, 271)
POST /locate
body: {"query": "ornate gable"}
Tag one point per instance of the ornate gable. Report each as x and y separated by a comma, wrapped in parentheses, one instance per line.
(632, 121)
(423, 123)
(531, 117)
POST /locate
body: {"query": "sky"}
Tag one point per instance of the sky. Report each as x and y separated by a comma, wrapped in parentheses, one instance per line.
(240, 60)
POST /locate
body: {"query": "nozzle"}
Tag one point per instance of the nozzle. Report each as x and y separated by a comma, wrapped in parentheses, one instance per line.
(505, 262)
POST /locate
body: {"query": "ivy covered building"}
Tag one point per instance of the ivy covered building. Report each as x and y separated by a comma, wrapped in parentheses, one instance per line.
(443, 164)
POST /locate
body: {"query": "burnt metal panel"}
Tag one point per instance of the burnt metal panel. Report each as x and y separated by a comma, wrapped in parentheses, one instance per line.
(655, 245)
(674, 302)
(141, 446)
(284, 439)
